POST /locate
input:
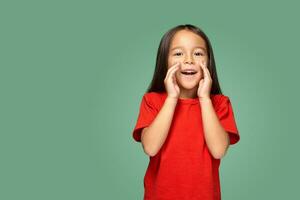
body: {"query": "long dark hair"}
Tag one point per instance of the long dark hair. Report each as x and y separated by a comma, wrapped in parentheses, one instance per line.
(157, 83)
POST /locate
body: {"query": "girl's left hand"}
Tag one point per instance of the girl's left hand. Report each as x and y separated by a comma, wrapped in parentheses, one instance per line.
(205, 83)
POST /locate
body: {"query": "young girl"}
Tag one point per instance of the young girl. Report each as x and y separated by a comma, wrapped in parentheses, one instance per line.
(185, 123)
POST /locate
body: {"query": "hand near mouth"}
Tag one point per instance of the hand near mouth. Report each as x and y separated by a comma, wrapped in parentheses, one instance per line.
(170, 82)
(205, 83)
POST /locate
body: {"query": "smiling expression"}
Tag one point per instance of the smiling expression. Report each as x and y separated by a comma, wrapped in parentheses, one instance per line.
(189, 49)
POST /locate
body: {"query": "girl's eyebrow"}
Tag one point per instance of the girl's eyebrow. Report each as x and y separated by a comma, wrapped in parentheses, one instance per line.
(194, 48)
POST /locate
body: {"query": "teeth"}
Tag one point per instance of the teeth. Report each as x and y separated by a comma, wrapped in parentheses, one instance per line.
(189, 71)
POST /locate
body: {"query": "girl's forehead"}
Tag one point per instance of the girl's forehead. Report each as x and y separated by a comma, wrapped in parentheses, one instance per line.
(185, 38)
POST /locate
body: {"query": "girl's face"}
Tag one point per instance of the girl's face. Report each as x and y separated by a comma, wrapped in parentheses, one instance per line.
(189, 49)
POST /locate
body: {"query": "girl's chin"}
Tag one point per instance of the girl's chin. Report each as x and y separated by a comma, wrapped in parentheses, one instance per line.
(188, 78)
(189, 84)
(187, 81)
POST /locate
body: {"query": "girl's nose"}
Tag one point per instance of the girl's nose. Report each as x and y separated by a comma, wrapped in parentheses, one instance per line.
(189, 60)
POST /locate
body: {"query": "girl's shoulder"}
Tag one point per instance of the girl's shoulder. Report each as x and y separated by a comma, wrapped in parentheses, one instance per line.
(155, 98)
(219, 99)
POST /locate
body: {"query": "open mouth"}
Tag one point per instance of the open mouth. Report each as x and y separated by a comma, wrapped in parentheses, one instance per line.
(188, 73)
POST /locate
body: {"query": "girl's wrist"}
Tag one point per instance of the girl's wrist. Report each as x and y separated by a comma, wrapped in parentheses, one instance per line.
(172, 98)
(204, 99)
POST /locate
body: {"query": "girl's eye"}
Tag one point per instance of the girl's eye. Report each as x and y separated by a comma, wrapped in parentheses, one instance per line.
(176, 54)
(200, 53)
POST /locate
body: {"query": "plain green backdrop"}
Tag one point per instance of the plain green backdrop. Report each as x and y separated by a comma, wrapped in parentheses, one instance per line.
(73, 74)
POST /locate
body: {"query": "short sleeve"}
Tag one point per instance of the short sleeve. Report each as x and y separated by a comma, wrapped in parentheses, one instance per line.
(225, 114)
(147, 113)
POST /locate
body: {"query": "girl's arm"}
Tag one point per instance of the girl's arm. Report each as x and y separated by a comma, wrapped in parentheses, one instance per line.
(217, 139)
(155, 134)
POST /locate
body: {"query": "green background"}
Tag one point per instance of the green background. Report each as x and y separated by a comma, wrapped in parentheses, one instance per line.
(73, 74)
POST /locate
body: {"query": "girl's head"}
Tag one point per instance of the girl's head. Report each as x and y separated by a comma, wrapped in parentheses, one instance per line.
(189, 46)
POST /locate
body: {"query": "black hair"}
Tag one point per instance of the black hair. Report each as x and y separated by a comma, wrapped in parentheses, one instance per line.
(157, 83)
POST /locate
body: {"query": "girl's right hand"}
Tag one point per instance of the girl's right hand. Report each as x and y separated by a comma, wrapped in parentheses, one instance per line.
(170, 82)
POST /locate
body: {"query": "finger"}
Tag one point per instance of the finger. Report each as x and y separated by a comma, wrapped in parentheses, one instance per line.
(169, 74)
(201, 81)
(174, 80)
(208, 72)
(205, 69)
(205, 65)
(172, 73)
(175, 83)
(171, 69)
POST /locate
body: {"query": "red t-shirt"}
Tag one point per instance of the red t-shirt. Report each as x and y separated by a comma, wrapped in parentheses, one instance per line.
(183, 168)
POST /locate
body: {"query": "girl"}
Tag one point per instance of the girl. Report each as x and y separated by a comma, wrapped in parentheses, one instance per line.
(185, 123)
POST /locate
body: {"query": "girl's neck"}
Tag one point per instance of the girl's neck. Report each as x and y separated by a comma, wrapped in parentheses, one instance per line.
(188, 94)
